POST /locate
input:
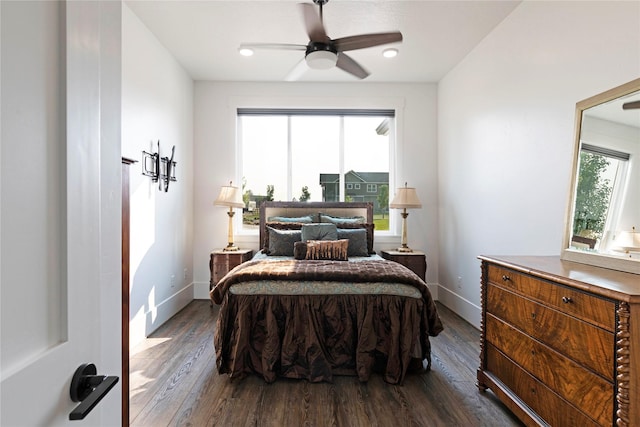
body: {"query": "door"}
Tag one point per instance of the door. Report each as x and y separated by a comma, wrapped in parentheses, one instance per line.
(60, 207)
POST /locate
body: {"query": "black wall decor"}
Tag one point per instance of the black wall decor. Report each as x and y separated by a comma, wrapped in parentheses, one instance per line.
(160, 169)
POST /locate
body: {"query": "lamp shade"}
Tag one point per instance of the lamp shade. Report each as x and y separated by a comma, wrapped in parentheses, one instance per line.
(406, 198)
(229, 196)
(628, 241)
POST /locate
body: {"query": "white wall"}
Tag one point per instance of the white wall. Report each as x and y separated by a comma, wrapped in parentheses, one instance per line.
(505, 132)
(157, 104)
(215, 157)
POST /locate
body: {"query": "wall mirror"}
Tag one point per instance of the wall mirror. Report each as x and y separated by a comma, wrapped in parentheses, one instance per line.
(603, 215)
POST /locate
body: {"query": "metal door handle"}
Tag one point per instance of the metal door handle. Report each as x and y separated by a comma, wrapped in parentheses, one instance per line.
(88, 388)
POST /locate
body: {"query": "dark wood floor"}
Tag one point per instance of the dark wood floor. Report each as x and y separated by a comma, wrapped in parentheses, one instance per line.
(174, 383)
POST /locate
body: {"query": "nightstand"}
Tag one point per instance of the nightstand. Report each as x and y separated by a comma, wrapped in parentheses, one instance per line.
(415, 261)
(221, 262)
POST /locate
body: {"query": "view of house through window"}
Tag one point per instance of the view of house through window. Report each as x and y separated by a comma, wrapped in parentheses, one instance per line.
(319, 155)
(602, 172)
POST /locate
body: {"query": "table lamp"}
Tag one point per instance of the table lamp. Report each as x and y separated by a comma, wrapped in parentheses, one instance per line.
(232, 197)
(405, 198)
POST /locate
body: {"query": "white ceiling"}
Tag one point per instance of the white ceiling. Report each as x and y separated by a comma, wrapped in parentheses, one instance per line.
(204, 35)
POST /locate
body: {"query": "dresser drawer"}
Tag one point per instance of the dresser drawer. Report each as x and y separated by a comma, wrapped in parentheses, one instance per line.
(599, 311)
(547, 404)
(585, 343)
(579, 386)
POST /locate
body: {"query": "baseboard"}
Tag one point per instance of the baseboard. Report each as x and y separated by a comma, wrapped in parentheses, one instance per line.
(461, 306)
(143, 324)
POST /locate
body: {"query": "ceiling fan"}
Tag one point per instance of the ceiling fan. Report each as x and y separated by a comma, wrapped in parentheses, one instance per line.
(323, 52)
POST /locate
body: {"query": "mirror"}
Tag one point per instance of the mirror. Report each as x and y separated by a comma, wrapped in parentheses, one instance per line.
(603, 215)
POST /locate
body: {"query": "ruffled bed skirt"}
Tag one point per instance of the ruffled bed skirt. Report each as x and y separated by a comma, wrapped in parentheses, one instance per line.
(315, 337)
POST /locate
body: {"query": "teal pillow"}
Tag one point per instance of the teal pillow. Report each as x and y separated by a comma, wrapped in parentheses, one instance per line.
(281, 241)
(342, 219)
(318, 231)
(305, 219)
(357, 240)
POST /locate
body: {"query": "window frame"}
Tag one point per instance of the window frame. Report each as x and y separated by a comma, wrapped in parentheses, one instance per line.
(396, 144)
(619, 188)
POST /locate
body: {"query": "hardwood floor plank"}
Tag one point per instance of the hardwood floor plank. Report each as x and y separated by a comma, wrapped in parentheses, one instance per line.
(174, 382)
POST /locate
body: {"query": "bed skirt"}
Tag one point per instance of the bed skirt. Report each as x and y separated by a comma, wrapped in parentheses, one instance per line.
(316, 337)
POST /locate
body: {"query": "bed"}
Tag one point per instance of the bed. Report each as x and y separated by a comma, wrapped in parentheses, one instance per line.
(310, 306)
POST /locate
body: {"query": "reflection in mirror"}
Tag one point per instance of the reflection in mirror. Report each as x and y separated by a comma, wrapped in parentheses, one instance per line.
(604, 224)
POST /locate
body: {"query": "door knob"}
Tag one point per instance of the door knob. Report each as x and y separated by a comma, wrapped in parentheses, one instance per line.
(89, 389)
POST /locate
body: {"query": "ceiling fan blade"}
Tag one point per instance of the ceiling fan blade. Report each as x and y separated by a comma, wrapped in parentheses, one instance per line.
(366, 40)
(313, 24)
(297, 71)
(347, 64)
(631, 105)
(279, 46)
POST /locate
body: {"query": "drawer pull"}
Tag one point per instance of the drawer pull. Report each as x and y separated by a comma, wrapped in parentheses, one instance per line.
(506, 278)
(533, 315)
(567, 300)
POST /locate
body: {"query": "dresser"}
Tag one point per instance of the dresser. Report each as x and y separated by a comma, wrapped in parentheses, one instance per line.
(560, 341)
(415, 261)
(221, 262)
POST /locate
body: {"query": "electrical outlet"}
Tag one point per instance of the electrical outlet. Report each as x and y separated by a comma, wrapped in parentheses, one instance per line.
(185, 273)
(459, 282)
(173, 280)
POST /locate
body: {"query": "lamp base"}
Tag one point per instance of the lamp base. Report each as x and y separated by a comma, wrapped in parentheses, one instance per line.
(230, 248)
(404, 248)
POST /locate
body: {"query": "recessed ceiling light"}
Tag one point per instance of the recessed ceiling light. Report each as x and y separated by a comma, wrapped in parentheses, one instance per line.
(390, 53)
(245, 51)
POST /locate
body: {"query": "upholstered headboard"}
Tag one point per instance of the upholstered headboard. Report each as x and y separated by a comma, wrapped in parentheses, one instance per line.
(297, 209)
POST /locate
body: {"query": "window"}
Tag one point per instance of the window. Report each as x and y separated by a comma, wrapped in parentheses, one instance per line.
(309, 155)
(599, 190)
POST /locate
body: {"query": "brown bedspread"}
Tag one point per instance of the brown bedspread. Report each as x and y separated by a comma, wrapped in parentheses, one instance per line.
(317, 336)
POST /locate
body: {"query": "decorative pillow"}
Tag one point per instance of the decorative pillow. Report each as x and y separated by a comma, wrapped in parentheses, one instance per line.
(328, 249)
(279, 226)
(357, 238)
(281, 241)
(300, 250)
(318, 231)
(305, 219)
(342, 219)
(369, 227)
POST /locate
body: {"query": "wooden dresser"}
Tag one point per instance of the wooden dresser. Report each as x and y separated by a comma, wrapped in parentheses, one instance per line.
(560, 341)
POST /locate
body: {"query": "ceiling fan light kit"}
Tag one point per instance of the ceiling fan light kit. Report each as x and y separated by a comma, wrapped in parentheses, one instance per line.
(322, 52)
(321, 57)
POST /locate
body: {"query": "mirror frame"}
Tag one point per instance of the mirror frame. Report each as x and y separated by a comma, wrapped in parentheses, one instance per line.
(592, 258)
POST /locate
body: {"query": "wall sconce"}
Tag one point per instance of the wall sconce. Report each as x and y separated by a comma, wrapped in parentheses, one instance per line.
(405, 198)
(232, 197)
(160, 169)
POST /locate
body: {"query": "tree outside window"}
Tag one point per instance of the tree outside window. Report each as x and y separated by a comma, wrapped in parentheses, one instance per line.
(592, 196)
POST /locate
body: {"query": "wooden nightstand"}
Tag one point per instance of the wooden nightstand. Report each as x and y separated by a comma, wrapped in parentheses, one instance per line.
(415, 261)
(221, 262)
